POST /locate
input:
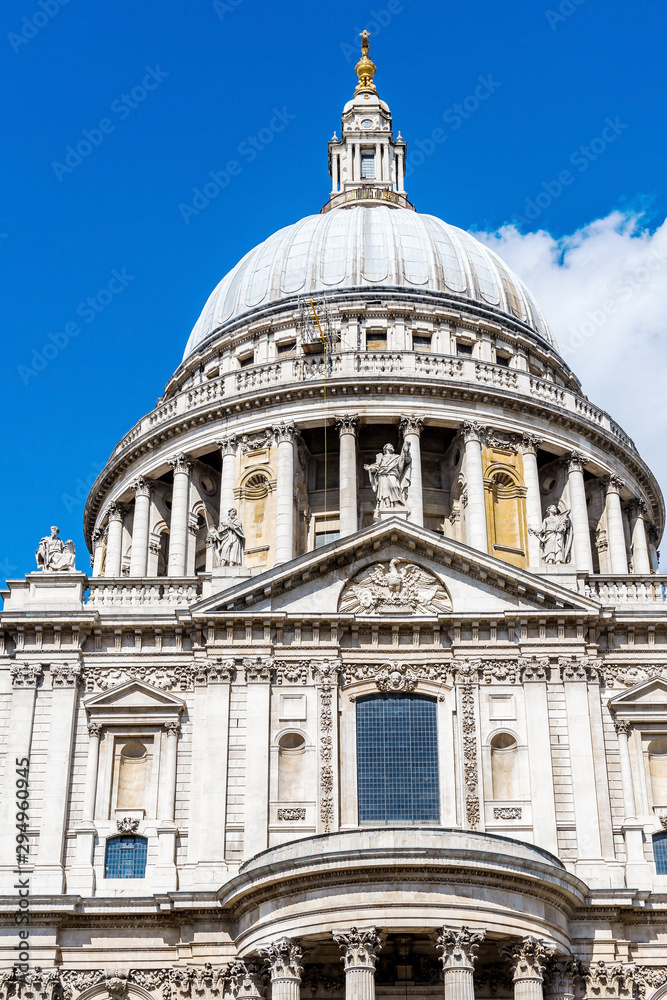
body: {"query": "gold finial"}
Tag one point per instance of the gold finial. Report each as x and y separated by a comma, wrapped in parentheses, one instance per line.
(365, 68)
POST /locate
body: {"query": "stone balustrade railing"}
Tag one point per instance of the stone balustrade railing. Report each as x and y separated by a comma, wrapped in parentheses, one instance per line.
(130, 592)
(625, 589)
(466, 372)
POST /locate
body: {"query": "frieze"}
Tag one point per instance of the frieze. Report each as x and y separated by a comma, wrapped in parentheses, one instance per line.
(291, 671)
(579, 668)
(394, 587)
(611, 981)
(628, 676)
(395, 676)
(236, 980)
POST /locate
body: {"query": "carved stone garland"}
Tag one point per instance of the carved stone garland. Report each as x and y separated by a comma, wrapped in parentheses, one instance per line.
(470, 772)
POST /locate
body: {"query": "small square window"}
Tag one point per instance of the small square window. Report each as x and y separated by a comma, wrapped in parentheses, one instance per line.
(421, 344)
(247, 361)
(464, 350)
(376, 340)
(367, 166)
(502, 360)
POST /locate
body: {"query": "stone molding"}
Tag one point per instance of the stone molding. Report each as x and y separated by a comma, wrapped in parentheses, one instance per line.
(360, 947)
(528, 958)
(283, 957)
(65, 675)
(459, 946)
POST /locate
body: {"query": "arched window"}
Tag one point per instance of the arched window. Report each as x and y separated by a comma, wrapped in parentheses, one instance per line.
(125, 857)
(657, 769)
(506, 516)
(291, 750)
(397, 759)
(504, 767)
(660, 852)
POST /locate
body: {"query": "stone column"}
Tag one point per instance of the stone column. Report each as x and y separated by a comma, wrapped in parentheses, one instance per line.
(114, 539)
(349, 516)
(528, 959)
(49, 871)
(476, 534)
(412, 428)
(167, 797)
(164, 876)
(142, 489)
(180, 501)
(459, 947)
(284, 959)
(653, 553)
(98, 550)
(284, 547)
(81, 876)
(92, 764)
(361, 948)
(641, 562)
(632, 829)
(529, 446)
(583, 556)
(227, 448)
(618, 556)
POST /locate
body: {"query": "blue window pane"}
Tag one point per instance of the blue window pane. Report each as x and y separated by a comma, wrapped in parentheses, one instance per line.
(397, 759)
(660, 853)
(125, 857)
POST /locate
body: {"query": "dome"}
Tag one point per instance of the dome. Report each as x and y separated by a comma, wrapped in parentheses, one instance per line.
(368, 247)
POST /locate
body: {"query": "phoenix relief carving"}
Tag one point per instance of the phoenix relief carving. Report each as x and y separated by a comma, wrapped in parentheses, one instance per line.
(395, 586)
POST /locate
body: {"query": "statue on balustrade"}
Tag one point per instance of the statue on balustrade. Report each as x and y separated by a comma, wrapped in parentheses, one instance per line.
(228, 540)
(390, 479)
(555, 536)
(54, 555)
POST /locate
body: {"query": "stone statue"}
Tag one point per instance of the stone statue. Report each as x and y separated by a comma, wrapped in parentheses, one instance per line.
(54, 555)
(390, 478)
(555, 536)
(228, 540)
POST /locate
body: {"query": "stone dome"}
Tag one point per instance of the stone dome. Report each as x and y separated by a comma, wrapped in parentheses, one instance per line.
(368, 247)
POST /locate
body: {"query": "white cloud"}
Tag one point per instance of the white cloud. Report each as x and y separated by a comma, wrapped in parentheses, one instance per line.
(603, 291)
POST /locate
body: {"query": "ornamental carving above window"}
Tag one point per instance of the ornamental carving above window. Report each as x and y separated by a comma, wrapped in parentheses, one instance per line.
(394, 586)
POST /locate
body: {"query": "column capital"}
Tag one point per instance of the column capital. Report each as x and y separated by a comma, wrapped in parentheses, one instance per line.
(609, 980)
(95, 730)
(411, 424)
(622, 727)
(26, 675)
(361, 947)
(473, 431)
(574, 462)
(116, 511)
(530, 444)
(528, 958)
(228, 445)
(65, 675)
(173, 728)
(560, 976)
(637, 508)
(284, 432)
(459, 946)
(142, 487)
(283, 958)
(181, 463)
(347, 423)
(245, 979)
(99, 535)
(613, 483)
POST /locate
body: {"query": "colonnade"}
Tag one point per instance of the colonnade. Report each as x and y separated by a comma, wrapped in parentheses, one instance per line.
(473, 499)
(527, 958)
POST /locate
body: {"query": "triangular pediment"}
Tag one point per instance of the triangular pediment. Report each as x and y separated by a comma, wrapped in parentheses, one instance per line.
(648, 696)
(470, 581)
(134, 695)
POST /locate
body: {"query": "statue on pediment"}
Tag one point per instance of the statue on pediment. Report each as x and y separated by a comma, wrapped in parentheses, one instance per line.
(390, 479)
(55, 556)
(555, 536)
(228, 540)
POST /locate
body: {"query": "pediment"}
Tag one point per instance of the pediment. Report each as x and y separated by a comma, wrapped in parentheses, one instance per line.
(647, 697)
(134, 701)
(451, 577)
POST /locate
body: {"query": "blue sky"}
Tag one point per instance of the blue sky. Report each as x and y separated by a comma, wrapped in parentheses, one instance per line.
(99, 265)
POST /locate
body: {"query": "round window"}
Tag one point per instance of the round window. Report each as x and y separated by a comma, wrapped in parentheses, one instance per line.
(291, 743)
(207, 485)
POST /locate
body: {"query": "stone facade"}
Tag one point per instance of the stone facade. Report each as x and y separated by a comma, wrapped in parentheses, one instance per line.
(504, 574)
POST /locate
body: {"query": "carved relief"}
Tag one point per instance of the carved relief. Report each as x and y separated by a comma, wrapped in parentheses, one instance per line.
(507, 812)
(459, 947)
(291, 815)
(128, 824)
(395, 676)
(360, 947)
(534, 669)
(287, 672)
(25, 674)
(65, 674)
(528, 958)
(395, 586)
(499, 670)
(467, 669)
(257, 668)
(613, 981)
(326, 673)
(575, 668)
(283, 958)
